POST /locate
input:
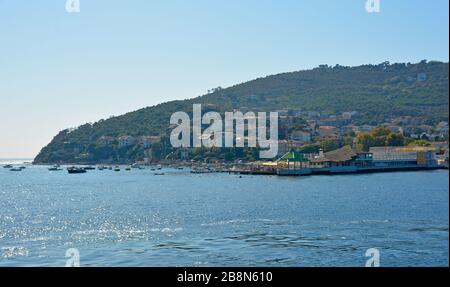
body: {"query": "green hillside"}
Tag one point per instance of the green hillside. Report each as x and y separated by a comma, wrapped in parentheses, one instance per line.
(376, 92)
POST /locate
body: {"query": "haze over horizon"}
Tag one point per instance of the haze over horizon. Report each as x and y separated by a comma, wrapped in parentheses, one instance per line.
(61, 70)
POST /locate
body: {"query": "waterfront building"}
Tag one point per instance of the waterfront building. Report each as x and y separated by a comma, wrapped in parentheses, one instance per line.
(337, 158)
(399, 153)
(292, 163)
(347, 160)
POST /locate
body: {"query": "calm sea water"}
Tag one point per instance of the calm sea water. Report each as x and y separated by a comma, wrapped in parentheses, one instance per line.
(180, 219)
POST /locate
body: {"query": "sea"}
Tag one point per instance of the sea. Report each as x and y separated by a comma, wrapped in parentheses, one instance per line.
(137, 218)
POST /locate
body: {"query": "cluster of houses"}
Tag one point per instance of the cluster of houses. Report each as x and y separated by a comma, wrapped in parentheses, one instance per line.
(126, 141)
(324, 127)
(319, 127)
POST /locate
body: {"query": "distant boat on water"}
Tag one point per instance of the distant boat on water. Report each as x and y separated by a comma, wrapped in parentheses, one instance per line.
(55, 168)
(89, 168)
(16, 169)
(136, 165)
(73, 170)
(8, 166)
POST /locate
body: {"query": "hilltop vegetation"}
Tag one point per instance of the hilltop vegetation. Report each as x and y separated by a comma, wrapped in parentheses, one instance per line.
(376, 92)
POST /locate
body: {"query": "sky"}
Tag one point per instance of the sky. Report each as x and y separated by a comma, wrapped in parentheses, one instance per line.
(59, 70)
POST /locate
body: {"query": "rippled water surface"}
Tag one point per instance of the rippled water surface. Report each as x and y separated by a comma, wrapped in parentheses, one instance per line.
(180, 219)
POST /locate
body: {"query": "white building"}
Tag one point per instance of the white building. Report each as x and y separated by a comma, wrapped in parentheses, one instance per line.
(125, 141)
(148, 141)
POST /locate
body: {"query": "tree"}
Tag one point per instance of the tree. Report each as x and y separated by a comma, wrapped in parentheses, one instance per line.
(365, 141)
(329, 145)
(395, 139)
(380, 135)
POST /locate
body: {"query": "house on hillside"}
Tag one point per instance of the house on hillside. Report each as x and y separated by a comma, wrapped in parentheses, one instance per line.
(125, 141)
(148, 141)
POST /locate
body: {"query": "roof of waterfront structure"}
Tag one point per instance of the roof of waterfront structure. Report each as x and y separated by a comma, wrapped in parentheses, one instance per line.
(293, 157)
(343, 154)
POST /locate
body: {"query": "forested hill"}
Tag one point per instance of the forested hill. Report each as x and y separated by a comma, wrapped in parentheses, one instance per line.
(376, 92)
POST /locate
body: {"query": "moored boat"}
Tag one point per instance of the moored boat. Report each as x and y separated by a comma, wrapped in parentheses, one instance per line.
(75, 170)
(55, 168)
(89, 168)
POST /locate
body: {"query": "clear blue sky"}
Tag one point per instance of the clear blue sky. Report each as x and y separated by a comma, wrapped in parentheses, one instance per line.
(60, 70)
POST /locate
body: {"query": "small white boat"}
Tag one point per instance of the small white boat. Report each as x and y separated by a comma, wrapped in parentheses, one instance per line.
(55, 168)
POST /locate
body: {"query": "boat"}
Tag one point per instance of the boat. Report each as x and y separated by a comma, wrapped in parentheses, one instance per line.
(55, 168)
(8, 166)
(15, 169)
(74, 170)
(22, 167)
(161, 173)
(89, 168)
(159, 167)
(128, 168)
(203, 170)
(117, 168)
